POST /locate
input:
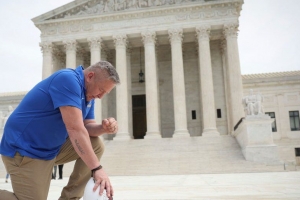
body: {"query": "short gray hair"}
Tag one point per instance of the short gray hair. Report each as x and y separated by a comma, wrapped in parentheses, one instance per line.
(108, 68)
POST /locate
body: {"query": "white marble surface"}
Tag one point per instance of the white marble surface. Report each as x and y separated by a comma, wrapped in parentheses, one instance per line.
(273, 185)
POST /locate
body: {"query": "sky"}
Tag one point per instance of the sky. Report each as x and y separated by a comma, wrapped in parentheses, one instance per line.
(268, 39)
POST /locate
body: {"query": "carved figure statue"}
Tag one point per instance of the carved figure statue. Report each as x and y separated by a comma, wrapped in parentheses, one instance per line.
(253, 104)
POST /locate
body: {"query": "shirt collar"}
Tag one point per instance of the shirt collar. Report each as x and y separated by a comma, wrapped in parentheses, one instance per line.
(79, 70)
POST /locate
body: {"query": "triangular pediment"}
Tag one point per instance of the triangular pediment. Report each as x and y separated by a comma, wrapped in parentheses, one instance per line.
(83, 8)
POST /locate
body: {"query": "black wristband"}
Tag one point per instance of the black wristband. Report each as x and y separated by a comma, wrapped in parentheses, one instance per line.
(93, 170)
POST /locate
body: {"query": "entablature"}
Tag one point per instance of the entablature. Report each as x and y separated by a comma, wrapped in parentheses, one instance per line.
(185, 15)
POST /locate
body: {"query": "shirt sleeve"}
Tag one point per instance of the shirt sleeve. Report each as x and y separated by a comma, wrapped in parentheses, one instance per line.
(65, 90)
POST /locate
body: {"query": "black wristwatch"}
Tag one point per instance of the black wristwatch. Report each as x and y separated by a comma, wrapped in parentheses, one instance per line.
(93, 170)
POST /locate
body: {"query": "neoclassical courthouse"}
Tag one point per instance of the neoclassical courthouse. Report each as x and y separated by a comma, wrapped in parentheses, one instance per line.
(179, 67)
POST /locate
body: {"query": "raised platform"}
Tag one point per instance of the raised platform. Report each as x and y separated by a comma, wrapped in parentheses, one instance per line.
(173, 156)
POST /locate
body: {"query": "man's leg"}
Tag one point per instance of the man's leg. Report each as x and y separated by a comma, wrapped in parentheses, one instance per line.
(30, 178)
(81, 173)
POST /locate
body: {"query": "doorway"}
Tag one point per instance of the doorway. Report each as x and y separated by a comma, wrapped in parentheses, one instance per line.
(139, 120)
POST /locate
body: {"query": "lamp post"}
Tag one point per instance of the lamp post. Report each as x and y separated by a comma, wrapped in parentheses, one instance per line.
(141, 74)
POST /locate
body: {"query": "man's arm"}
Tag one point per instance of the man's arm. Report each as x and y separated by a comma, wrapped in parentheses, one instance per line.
(79, 136)
(80, 139)
(95, 129)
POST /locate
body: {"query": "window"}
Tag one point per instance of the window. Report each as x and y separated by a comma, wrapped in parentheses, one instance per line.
(297, 152)
(193, 114)
(219, 114)
(294, 121)
(272, 115)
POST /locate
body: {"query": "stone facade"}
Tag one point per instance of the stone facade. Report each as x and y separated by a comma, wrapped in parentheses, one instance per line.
(185, 46)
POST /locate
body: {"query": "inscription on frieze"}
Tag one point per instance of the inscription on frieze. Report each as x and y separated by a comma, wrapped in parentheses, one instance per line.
(134, 22)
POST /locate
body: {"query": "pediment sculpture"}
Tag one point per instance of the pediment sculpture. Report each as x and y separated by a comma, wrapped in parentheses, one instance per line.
(107, 6)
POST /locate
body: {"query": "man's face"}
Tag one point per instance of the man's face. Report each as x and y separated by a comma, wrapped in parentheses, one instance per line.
(97, 87)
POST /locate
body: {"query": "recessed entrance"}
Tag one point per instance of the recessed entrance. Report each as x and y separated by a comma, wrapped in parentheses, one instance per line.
(139, 116)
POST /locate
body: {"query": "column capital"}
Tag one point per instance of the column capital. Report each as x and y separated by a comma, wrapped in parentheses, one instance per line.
(149, 37)
(94, 43)
(230, 30)
(46, 47)
(203, 32)
(70, 45)
(120, 40)
(175, 35)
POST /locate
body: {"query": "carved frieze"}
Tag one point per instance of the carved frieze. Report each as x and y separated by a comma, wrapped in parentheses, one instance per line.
(201, 14)
(134, 23)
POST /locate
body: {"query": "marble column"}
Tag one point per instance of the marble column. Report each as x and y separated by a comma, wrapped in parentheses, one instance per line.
(104, 99)
(225, 74)
(152, 106)
(206, 83)
(180, 117)
(234, 75)
(47, 50)
(130, 122)
(122, 89)
(95, 47)
(71, 47)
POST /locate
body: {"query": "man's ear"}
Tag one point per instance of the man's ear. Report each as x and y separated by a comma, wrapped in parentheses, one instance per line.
(90, 76)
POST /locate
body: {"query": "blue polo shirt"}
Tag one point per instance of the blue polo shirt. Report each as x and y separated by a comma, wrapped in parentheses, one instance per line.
(35, 128)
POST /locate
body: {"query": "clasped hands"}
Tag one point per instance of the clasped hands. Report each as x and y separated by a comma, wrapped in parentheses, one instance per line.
(110, 125)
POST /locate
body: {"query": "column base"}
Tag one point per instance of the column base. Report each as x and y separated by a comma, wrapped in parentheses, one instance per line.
(122, 136)
(210, 132)
(152, 135)
(181, 134)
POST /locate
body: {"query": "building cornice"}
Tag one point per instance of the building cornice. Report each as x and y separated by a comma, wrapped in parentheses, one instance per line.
(271, 75)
